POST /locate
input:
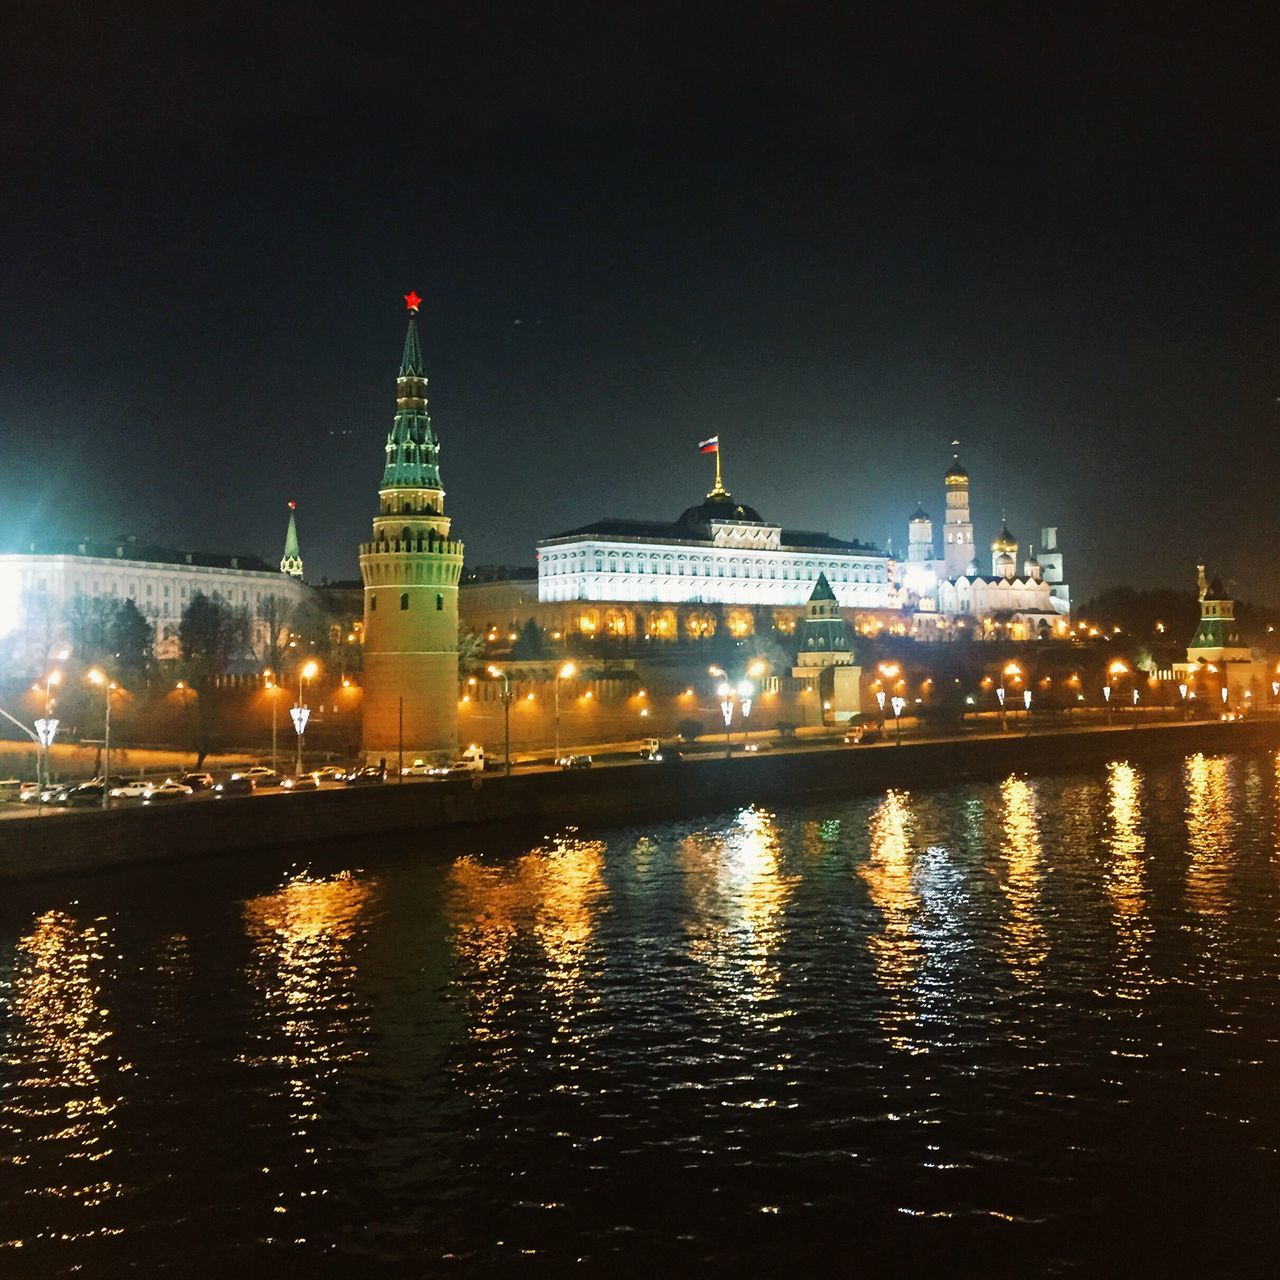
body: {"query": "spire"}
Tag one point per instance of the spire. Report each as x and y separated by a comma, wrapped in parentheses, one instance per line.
(412, 450)
(822, 589)
(291, 562)
(411, 365)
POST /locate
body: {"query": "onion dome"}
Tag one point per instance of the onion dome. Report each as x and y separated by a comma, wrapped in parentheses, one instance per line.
(956, 474)
(921, 517)
(1006, 561)
(1005, 541)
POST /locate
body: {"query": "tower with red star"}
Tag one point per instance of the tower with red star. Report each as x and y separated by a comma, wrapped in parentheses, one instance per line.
(411, 570)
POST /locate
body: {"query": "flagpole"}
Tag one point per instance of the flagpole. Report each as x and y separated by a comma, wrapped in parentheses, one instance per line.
(719, 483)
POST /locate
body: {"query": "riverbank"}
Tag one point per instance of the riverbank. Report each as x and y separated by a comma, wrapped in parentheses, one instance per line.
(85, 841)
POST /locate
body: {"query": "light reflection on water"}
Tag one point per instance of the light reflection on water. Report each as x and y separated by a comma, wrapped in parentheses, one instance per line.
(746, 1040)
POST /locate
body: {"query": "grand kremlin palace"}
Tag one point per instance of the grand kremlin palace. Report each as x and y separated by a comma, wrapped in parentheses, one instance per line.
(721, 565)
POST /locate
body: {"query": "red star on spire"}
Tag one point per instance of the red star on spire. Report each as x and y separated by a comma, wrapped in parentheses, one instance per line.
(293, 506)
(412, 301)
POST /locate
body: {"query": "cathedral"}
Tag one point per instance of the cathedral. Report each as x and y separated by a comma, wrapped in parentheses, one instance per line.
(952, 597)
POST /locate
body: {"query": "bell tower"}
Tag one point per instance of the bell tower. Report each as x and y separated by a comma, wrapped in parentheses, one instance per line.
(957, 527)
(410, 572)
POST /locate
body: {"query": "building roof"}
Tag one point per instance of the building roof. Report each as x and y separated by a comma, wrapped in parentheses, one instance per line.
(956, 472)
(411, 365)
(1004, 541)
(129, 548)
(678, 531)
(822, 589)
(719, 508)
(920, 516)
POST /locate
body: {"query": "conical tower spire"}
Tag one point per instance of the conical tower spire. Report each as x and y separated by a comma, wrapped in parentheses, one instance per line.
(291, 562)
(411, 361)
(413, 452)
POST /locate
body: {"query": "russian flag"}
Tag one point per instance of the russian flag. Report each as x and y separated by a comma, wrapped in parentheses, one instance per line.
(710, 446)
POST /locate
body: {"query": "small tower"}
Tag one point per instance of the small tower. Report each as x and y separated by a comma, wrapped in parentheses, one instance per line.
(411, 571)
(920, 538)
(957, 528)
(826, 651)
(291, 561)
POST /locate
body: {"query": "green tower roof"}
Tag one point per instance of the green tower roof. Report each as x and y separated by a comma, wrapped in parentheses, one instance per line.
(822, 589)
(411, 362)
(413, 452)
(291, 561)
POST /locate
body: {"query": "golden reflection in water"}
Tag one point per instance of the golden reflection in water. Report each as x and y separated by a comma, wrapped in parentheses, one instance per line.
(551, 896)
(738, 894)
(1209, 834)
(306, 937)
(58, 1019)
(896, 950)
(1125, 876)
(1020, 848)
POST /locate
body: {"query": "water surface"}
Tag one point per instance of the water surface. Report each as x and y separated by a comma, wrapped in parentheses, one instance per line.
(1030, 1023)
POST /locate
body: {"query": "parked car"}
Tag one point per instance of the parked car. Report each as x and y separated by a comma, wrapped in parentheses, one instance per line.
(264, 777)
(28, 792)
(330, 773)
(303, 782)
(198, 781)
(756, 747)
(167, 790)
(575, 762)
(134, 789)
(418, 769)
(88, 795)
(236, 785)
(369, 775)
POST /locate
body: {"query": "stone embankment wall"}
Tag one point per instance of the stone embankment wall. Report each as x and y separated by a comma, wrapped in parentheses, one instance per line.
(88, 841)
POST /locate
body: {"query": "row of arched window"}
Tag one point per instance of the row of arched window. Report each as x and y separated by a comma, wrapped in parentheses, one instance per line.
(706, 566)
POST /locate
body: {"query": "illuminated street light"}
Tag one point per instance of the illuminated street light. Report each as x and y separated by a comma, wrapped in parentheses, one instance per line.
(107, 686)
(301, 714)
(566, 672)
(498, 674)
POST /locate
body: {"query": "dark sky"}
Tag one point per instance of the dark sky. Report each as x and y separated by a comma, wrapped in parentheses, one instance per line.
(836, 236)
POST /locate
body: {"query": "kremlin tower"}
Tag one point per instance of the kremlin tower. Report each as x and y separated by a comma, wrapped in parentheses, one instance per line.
(291, 562)
(957, 527)
(410, 572)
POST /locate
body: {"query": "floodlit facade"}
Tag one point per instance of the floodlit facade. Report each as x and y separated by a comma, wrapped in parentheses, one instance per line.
(951, 596)
(410, 572)
(41, 587)
(718, 552)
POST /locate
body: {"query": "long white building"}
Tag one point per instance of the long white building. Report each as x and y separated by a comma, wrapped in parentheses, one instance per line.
(718, 552)
(39, 586)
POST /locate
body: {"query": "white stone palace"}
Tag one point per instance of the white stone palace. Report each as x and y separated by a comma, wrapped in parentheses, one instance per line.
(719, 552)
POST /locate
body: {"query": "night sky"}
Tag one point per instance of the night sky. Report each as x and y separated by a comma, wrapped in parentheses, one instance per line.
(836, 237)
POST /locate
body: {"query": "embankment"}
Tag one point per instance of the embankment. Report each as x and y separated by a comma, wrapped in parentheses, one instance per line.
(88, 841)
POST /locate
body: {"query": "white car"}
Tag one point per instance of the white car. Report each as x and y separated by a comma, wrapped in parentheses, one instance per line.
(168, 790)
(135, 789)
(418, 769)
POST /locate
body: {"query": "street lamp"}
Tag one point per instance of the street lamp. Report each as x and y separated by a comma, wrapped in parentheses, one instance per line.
(108, 687)
(898, 704)
(564, 673)
(499, 674)
(274, 690)
(1114, 671)
(47, 727)
(725, 690)
(301, 714)
(1009, 671)
(746, 691)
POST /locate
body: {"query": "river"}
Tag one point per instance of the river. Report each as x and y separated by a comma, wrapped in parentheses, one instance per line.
(1021, 1025)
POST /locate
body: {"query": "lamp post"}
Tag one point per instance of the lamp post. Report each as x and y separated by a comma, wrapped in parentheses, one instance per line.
(725, 690)
(300, 714)
(1114, 671)
(563, 673)
(499, 674)
(1009, 670)
(897, 704)
(273, 689)
(108, 688)
(47, 728)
